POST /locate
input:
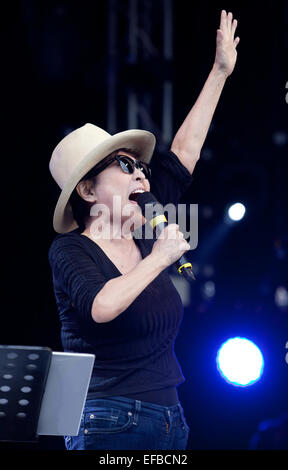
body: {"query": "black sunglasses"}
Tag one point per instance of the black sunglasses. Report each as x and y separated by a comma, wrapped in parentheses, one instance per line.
(127, 165)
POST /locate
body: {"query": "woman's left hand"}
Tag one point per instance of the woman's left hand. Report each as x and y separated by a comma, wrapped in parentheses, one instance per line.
(226, 54)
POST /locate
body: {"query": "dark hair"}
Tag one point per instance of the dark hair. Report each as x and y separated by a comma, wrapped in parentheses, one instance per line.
(80, 207)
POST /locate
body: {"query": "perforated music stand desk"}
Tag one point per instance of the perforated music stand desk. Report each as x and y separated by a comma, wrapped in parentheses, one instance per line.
(41, 392)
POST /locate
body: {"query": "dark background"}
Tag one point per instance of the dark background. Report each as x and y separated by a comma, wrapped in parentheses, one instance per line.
(54, 78)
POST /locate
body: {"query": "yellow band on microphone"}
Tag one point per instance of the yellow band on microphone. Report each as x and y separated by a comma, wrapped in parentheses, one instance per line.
(157, 220)
(185, 265)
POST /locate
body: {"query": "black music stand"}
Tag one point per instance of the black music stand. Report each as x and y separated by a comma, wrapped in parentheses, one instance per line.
(23, 375)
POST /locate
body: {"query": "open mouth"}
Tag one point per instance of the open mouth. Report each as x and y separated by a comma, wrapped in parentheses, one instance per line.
(134, 195)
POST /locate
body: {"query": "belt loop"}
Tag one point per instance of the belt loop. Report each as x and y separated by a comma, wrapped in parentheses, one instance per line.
(137, 410)
(181, 411)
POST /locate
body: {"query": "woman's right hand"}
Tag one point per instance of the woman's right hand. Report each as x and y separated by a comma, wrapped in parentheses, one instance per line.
(170, 246)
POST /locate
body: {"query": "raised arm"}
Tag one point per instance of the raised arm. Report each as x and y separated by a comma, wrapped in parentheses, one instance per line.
(190, 137)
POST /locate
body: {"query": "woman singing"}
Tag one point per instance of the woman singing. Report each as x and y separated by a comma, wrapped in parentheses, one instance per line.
(113, 291)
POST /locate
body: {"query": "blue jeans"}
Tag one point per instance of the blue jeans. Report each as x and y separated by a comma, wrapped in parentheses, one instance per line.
(115, 423)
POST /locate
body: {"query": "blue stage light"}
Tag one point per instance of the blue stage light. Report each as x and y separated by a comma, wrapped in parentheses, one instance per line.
(236, 211)
(240, 362)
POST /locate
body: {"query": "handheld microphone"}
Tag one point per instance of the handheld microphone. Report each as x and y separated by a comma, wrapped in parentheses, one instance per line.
(158, 222)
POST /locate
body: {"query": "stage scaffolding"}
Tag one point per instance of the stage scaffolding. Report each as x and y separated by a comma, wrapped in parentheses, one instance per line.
(139, 66)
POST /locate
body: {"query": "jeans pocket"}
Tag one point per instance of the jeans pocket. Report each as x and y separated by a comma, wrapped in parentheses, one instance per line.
(107, 420)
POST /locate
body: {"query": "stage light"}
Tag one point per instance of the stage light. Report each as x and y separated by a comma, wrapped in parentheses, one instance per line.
(281, 297)
(240, 362)
(236, 211)
(208, 289)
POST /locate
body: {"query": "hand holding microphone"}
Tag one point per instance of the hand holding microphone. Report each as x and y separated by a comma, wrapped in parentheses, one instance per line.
(170, 245)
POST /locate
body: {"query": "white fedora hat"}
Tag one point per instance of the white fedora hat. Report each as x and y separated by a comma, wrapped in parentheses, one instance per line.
(79, 152)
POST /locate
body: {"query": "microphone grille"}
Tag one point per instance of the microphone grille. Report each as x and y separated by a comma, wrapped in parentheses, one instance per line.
(146, 198)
